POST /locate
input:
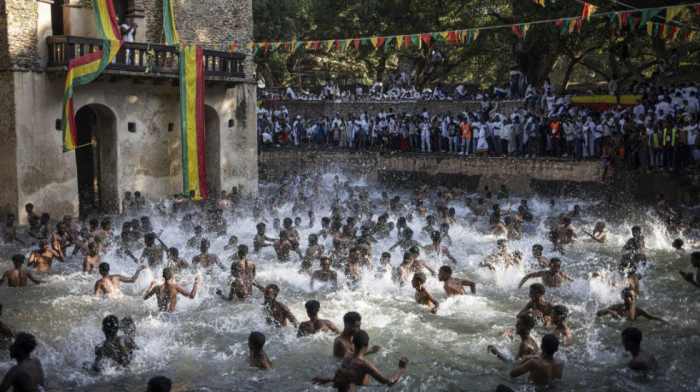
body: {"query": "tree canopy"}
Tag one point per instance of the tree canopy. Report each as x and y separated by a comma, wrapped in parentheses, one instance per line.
(602, 49)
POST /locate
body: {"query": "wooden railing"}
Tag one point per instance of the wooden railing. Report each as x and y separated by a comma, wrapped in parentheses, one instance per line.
(133, 56)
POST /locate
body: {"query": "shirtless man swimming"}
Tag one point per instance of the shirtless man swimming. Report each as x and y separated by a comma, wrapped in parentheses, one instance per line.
(437, 249)
(454, 286)
(247, 265)
(241, 284)
(423, 296)
(641, 360)
(628, 310)
(355, 370)
(343, 344)
(258, 357)
(109, 284)
(528, 346)
(283, 246)
(560, 315)
(688, 276)
(7, 333)
(551, 278)
(261, 240)
(18, 276)
(166, 293)
(42, 259)
(28, 374)
(325, 274)
(277, 313)
(206, 259)
(538, 306)
(545, 369)
(315, 324)
(92, 258)
(153, 253)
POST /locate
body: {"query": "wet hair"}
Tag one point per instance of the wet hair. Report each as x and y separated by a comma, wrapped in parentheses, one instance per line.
(43, 242)
(627, 290)
(159, 384)
(18, 260)
(274, 288)
(407, 256)
(561, 310)
(446, 269)
(501, 242)
(435, 236)
(351, 318)
(26, 342)
(496, 207)
(677, 243)
(633, 334)
(414, 251)
(174, 252)
(550, 344)
(242, 250)
(110, 325)
(256, 340)
(204, 244)
(103, 268)
(386, 255)
(504, 388)
(325, 219)
(419, 276)
(150, 237)
(236, 269)
(127, 325)
(528, 321)
(430, 219)
(554, 260)
(168, 273)
(94, 223)
(260, 226)
(198, 229)
(636, 228)
(313, 239)
(29, 205)
(324, 258)
(538, 288)
(444, 226)
(106, 222)
(287, 221)
(312, 307)
(360, 339)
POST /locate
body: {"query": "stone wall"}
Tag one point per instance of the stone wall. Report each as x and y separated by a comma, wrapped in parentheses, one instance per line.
(207, 22)
(8, 144)
(312, 109)
(18, 45)
(526, 176)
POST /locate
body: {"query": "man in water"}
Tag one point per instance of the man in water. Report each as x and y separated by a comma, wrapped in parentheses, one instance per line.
(501, 256)
(355, 370)
(159, 384)
(19, 276)
(277, 313)
(116, 349)
(641, 360)
(343, 344)
(628, 310)
(551, 278)
(258, 356)
(28, 374)
(528, 346)
(247, 265)
(325, 274)
(560, 315)
(33, 220)
(42, 259)
(538, 306)
(438, 249)
(92, 258)
(353, 270)
(261, 240)
(166, 293)
(423, 296)
(313, 253)
(537, 250)
(197, 238)
(174, 260)
(403, 271)
(315, 324)
(283, 246)
(406, 242)
(153, 253)
(241, 284)
(206, 259)
(688, 276)
(454, 286)
(545, 369)
(636, 243)
(7, 333)
(109, 284)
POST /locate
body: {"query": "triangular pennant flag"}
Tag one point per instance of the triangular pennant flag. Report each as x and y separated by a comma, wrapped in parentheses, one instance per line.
(364, 41)
(476, 34)
(286, 46)
(648, 14)
(524, 28)
(588, 9)
(564, 27)
(308, 44)
(233, 47)
(624, 18)
(406, 40)
(650, 28)
(671, 12)
(436, 36)
(356, 42)
(559, 22)
(697, 8)
(314, 43)
(399, 41)
(542, 2)
(252, 47)
(470, 36)
(634, 23)
(693, 34)
(686, 35)
(451, 37)
(374, 41)
(387, 42)
(572, 24)
(380, 42)
(415, 40)
(344, 44)
(516, 30)
(267, 47)
(297, 45)
(337, 44)
(458, 34)
(426, 38)
(329, 45)
(578, 25)
(673, 34)
(662, 30)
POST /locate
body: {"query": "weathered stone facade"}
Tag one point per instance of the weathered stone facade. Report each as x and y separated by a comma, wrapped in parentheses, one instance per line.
(18, 45)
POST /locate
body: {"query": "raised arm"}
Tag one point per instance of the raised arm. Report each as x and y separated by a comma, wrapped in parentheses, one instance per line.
(522, 367)
(447, 253)
(609, 311)
(192, 293)
(98, 287)
(525, 309)
(528, 277)
(469, 283)
(133, 278)
(4, 278)
(645, 313)
(688, 276)
(291, 318)
(151, 290)
(379, 376)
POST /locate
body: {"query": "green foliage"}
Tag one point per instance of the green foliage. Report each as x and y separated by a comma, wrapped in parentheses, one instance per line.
(544, 52)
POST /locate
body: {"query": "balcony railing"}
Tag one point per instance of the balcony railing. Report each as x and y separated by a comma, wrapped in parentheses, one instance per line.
(133, 56)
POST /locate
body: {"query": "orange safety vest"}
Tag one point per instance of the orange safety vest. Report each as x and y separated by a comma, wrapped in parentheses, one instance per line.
(466, 131)
(555, 128)
(672, 142)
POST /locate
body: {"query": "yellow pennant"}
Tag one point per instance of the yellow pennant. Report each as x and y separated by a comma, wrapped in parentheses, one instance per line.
(591, 10)
(308, 44)
(374, 41)
(671, 12)
(476, 33)
(542, 3)
(399, 41)
(572, 25)
(329, 45)
(526, 28)
(444, 35)
(650, 28)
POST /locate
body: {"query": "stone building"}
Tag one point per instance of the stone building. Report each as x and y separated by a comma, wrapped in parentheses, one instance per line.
(128, 121)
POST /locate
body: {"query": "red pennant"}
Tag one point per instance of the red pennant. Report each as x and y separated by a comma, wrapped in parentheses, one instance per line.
(672, 32)
(380, 41)
(625, 16)
(578, 25)
(686, 35)
(315, 46)
(356, 42)
(267, 46)
(697, 8)
(233, 47)
(451, 37)
(286, 46)
(662, 30)
(406, 40)
(559, 22)
(426, 38)
(516, 30)
(337, 44)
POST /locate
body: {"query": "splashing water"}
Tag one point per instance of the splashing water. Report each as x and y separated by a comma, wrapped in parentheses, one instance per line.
(203, 345)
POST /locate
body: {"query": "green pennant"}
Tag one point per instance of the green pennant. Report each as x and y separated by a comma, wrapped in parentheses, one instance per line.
(631, 23)
(470, 36)
(613, 20)
(648, 14)
(343, 43)
(364, 41)
(415, 39)
(297, 45)
(437, 37)
(565, 26)
(655, 32)
(387, 41)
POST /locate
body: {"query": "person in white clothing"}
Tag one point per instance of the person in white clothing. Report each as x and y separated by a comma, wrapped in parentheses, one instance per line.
(128, 30)
(425, 136)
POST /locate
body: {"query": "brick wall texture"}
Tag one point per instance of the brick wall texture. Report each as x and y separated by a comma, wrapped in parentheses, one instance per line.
(18, 30)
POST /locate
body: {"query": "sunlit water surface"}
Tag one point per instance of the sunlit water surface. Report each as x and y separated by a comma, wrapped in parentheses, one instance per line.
(202, 346)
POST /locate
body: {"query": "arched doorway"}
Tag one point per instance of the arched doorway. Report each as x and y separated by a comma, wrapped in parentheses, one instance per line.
(96, 159)
(212, 148)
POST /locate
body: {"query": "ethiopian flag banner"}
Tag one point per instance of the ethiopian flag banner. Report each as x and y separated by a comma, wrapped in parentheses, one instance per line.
(194, 172)
(169, 23)
(85, 69)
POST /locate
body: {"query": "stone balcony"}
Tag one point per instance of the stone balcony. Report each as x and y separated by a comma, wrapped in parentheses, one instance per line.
(219, 66)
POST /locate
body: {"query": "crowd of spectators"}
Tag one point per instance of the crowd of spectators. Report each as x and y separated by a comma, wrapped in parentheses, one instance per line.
(659, 132)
